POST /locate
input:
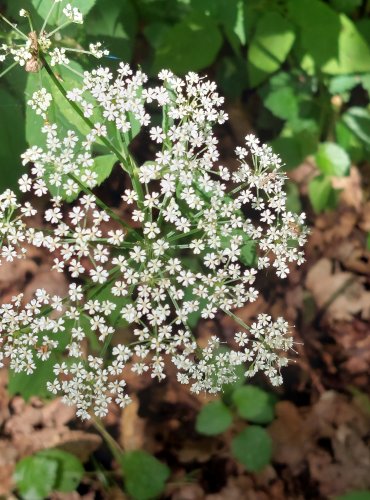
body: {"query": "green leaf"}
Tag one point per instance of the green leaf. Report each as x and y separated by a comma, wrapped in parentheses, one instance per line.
(317, 23)
(343, 83)
(363, 26)
(117, 23)
(35, 384)
(189, 45)
(283, 103)
(253, 448)
(321, 193)
(293, 201)
(70, 469)
(232, 77)
(355, 495)
(332, 159)
(57, 16)
(111, 18)
(248, 252)
(269, 47)
(289, 149)
(35, 477)
(346, 6)
(254, 404)
(103, 166)
(344, 50)
(349, 142)
(358, 121)
(144, 475)
(353, 51)
(12, 141)
(214, 418)
(60, 110)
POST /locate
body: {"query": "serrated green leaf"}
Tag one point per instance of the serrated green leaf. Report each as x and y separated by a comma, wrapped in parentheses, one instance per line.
(254, 404)
(332, 159)
(269, 47)
(57, 16)
(69, 472)
(144, 475)
(35, 477)
(253, 448)
(214, 418)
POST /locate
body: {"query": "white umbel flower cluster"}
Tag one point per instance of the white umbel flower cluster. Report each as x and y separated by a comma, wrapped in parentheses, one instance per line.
(199, 235)
(26, 48)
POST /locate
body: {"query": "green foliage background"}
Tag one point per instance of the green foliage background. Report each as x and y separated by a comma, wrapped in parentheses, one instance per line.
(299, 68)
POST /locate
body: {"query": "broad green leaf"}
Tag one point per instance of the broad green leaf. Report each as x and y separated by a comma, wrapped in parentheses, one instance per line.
(232, 77)
(344, 50)
(108, 16)
(214, 418)
(156, 33)
(57, 16)
(248, 253)
(103, 166)
(355, 495)
(254, 404)
(349, 142)
(144, 475)
(283, 103)
(12, 141)
(269, 47)
(35, 384)
(69, 472)
(353, 51)
(114, 23)
(363, 26)
(59, 112)
(247, 250)
(289, 148)
(253, 448)
(293, 201)
(64, 108)
(189, 45)
(332, 159)
(321, 193)
(344, 83)
(358, 121)
(346, 6)
(35, 477)
(319, 29)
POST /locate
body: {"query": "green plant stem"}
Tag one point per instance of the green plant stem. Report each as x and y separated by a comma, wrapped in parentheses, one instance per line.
(114, 447)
